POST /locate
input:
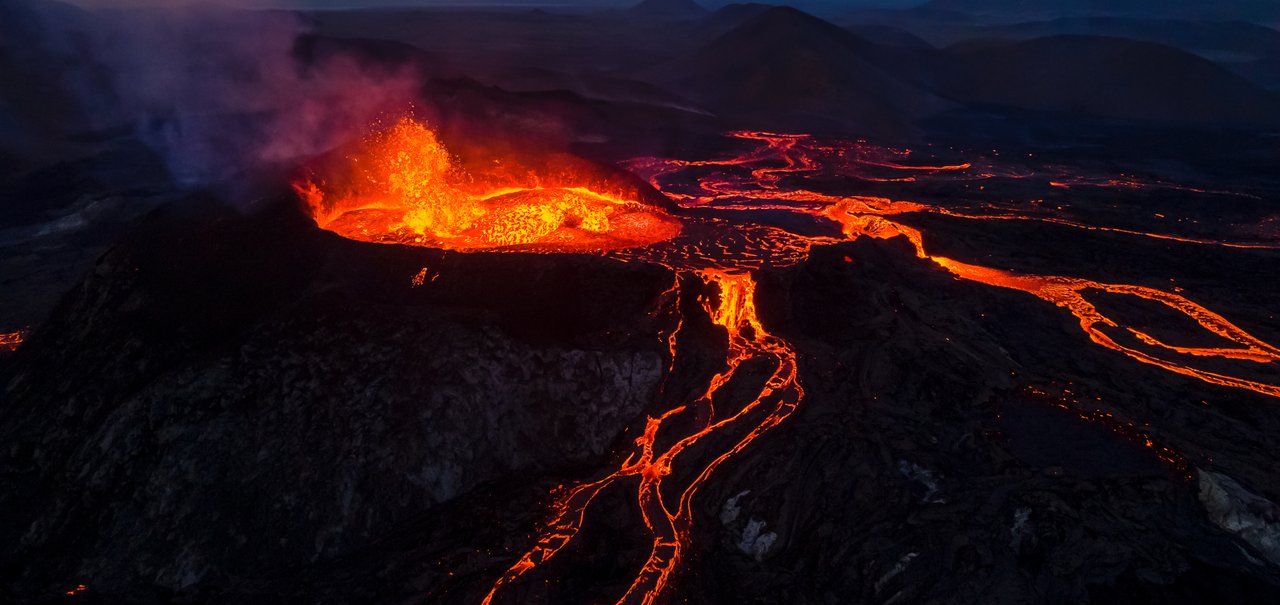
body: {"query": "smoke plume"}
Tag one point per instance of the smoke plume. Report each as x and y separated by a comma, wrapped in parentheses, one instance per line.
(216, 91)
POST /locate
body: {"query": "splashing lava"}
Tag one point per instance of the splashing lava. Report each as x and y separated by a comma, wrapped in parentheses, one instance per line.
(410, 191)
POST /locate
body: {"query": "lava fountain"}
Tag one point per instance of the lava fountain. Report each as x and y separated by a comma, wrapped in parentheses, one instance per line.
(402, 185)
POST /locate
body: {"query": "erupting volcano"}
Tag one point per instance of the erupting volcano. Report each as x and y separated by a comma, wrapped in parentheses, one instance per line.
(732, 220)
(542, 303)
(404, 186)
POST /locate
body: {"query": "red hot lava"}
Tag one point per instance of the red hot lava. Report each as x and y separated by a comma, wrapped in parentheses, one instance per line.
(751, 180)
(10, 341)
(403, 186)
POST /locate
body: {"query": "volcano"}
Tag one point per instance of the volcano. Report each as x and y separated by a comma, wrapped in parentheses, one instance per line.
(583, 395)
(361, 306)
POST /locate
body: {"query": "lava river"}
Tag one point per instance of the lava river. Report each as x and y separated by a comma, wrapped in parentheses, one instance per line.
(408, 189)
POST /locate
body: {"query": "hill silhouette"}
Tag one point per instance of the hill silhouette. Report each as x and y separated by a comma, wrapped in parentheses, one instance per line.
(784, 62)
(1258, 10)
(1109, 77)
(669, 8)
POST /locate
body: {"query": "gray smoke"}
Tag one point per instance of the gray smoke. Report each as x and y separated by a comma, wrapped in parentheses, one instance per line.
(215, 90)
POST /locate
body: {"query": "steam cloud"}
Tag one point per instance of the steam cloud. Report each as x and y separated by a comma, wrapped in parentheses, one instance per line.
(216, 91)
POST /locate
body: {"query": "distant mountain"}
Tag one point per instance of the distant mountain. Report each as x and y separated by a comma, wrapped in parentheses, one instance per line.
(669, 8)
(1201, 37)
(728, 17)
(1108, 77)
(887, 35)
(786, 64)
(1242, 47)
(1256, 10)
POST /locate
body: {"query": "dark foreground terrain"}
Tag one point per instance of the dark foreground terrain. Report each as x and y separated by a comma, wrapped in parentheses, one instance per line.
(216, 401)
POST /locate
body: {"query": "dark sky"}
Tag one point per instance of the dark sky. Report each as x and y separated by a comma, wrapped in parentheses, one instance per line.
(805, 4)
(612, 3)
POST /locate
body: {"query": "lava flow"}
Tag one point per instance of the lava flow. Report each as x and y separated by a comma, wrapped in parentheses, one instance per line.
(10, 341)
(404, 187)
(753, 180)
(650, 466)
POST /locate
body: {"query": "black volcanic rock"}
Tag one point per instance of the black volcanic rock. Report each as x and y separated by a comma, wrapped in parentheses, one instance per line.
(783, 62)
(235, 407)
(300, 393)
(239, 408)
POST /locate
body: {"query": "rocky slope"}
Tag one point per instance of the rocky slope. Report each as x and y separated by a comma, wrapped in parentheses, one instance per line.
(231, 393)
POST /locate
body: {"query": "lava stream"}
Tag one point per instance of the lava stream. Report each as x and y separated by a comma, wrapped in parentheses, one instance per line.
(671, 529)
(404, 187)
(10, 341)
(784, 155)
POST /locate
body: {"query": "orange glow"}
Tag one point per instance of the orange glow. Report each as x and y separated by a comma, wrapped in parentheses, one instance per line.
(10, 341)
(77, 590)
(1065, 400)
(403, 186)
(649, 467)
(1068, 293)
(1079, 225)
(723, 184)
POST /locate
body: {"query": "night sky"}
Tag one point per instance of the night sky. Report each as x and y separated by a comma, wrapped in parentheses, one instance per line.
(813, 5)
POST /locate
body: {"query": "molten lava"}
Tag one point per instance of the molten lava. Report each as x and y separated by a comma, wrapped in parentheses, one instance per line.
(751, 180)
(10, 341)
(648, 467)
(404, 186)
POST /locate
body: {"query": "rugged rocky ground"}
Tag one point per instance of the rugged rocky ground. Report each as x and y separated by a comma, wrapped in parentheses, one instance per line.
(237, 407)
(218, 402)
(246, 372)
